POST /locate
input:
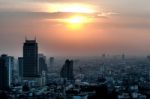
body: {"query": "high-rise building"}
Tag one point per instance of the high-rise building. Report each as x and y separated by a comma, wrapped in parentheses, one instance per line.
(51, 61)
(4, 82)
(10, 64)
(42, 68)
(30, 59)
(44, 78)
(42, 63)
(6, 71)
(20, 67)
(67, 70)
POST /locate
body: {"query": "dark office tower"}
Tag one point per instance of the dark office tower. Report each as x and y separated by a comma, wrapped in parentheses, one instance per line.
(30, 59)
(20, 67)
(4, 81)
(51, 61)
(67, 70)
(6, 71)
(42, 63)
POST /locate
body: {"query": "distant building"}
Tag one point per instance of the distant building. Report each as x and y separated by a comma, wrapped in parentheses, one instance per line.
(67, 70)
(6, 71)
(103, 56)
(10, 63)
(51, 61)
(44, 78)
(123, 56)
(42, 63)
(20, 66)
(30, 59)
(148, 57)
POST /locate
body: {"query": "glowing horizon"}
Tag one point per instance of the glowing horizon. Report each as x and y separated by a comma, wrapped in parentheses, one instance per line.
(80, 27)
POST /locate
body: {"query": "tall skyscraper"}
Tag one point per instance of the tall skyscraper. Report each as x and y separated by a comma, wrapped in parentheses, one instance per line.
(67, 70)
(30, 59)
(42, 63)
(20, 67)
(10, 64)
(6, 71)
(4, 82)
(42, 68)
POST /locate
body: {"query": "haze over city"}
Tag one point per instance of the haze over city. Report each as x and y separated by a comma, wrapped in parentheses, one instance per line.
(74, 49)
(76, 28)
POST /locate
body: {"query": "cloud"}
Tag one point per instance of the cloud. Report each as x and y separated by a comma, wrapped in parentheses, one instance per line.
(47, 15)
(61, 0)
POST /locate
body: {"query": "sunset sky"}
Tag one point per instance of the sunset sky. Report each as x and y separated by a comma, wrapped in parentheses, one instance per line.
(76, 27)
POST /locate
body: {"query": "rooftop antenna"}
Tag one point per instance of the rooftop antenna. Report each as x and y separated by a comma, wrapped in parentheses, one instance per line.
(35, 38)
(26, 38)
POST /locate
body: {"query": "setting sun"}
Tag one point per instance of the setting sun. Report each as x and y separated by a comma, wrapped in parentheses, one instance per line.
(76, 22)
(73, 16)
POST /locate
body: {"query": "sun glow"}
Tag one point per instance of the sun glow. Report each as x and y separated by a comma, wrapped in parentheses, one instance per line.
(73, 15)
(73, 8)
(76, 22)
(78, 9)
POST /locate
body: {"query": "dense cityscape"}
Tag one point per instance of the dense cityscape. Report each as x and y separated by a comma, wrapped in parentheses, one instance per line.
(74, 49)
(37, 76)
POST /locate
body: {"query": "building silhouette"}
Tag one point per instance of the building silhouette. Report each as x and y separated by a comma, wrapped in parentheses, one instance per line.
(4, 82)
(6, 71)
(67, 70)
(10, 63)
(123, 56)
(20, 67)
(42, 63)
(51, 61)
(30, 59)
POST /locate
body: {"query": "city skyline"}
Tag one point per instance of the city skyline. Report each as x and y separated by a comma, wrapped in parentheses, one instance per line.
(87, 28)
